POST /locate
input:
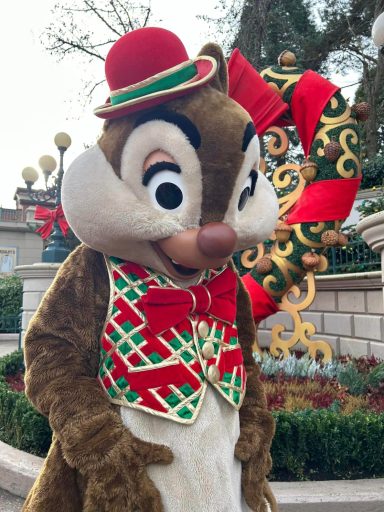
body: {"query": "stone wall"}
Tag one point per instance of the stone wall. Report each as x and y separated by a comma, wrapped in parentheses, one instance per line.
(347, 312)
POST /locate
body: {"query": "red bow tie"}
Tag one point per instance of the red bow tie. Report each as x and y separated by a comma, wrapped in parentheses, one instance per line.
(166, 307)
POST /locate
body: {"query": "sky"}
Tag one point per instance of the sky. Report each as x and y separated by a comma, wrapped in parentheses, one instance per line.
(41, 96)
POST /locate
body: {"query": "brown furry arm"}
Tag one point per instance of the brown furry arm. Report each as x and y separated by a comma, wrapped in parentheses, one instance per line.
(256, 422)
(62, 353)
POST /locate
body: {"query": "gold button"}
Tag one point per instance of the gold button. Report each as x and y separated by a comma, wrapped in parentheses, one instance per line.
(213, 374)
(208, 350)
(203, 329)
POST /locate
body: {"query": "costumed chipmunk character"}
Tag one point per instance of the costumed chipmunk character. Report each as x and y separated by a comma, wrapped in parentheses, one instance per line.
(141, 351)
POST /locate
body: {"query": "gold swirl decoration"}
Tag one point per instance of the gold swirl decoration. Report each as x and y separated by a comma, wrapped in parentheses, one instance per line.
(250, 257)
(288, 180)
(286, 249)
(288, 79)
(342, 118)
(278, 144)
(302, 331)
(347, 155)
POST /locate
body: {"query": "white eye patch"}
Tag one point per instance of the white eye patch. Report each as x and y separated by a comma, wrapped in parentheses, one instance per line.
(175, 195)
(103, 211)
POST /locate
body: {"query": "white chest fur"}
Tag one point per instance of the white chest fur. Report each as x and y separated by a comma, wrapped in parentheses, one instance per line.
(205, 475)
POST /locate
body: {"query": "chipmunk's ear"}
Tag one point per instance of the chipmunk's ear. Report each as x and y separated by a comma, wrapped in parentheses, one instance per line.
(220, 81)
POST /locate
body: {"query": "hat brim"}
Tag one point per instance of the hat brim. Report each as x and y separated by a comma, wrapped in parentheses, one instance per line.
(206, 67)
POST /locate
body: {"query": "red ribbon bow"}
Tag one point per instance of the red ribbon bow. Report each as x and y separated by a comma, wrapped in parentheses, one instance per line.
(166, 307)
(51, 216)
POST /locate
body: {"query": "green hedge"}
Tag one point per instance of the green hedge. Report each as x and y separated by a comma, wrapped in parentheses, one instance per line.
(21, 425)
(308, 445)
(325, 445)
(11, 295)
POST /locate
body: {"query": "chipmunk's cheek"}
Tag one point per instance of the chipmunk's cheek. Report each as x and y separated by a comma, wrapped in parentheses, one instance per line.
(193, 250)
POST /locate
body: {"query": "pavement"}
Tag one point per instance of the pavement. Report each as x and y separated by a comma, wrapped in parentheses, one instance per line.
(6, 347)
(9, 502)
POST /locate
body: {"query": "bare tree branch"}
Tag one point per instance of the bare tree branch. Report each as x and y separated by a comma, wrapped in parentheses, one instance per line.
(72, 32)
(353, 48)
(127, 14)
(92, 90)
(123, 26)
(97, 13)
(73, 46)
(149, 10)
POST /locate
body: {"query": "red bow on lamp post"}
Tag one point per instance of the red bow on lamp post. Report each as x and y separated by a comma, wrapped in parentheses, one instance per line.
(51, 216)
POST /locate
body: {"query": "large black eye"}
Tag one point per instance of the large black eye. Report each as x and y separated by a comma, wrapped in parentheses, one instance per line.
(248, 190)
(169, 196)
(165, 190)
(245, 194)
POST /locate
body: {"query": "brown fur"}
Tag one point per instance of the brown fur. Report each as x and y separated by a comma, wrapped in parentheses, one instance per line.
(94, 460)
(257, 426)
(220, 81)
(95, 463)
(115, 134)
(223, 121)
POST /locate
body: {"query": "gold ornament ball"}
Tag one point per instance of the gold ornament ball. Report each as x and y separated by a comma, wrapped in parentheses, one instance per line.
(286, 58)
(330, 238)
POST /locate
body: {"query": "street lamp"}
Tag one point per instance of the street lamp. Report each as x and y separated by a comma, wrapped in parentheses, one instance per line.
(378, 32)
(57, 250)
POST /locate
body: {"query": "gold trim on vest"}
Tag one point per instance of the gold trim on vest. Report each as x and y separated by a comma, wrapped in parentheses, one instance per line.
(165, 375)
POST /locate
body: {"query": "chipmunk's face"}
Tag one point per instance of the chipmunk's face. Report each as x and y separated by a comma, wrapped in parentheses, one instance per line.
(176, 188)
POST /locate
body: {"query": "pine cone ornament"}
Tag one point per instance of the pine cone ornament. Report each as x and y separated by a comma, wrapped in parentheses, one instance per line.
(342, 240)
(310, 260)
(362, 110)
(309, 170)
(283, 232)
(330, 238)
(264, 265)
(286, 58)
(332, 151)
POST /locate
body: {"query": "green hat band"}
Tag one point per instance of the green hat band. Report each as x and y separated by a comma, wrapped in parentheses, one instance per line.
(168, 82)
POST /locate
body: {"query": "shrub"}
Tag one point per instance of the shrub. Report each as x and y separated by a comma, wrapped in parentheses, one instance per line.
(371, 206)
(296, 367)
(324, 445)
(11, 295)
(358, 382)
(373, 172)
(308, 445)
(21, 425)
(350, 377)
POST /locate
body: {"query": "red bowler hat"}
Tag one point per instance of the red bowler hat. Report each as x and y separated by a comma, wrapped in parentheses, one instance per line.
(148, 67)
(254, 94)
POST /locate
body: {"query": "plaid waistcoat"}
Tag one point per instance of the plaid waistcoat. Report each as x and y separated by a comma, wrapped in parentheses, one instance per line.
(166, 374)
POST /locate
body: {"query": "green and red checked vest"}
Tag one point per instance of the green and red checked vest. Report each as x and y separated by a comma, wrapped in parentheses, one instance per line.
(165, 374)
